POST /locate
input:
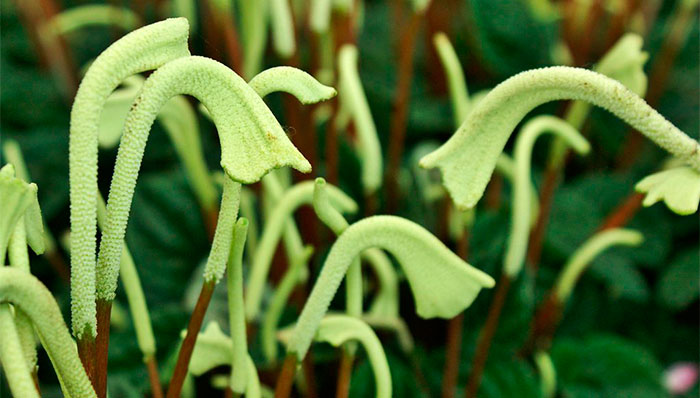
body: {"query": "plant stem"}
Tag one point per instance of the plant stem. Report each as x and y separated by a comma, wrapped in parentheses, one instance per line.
(104, 312)
(86, 352)
(153, 377)
(399, 112)
(210, 217)
(453, 346)
(309, 377)
(286, 378)
(183, 357)
(58, 263)
(550, 311)
(549, 185)
(486, 336)
(344, 374)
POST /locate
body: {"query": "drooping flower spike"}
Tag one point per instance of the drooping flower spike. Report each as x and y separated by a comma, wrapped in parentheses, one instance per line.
(24, 291)
(584, 255)
(298, 195)
(19, 203)
(443, 285)
(338, 330)
(234, 285)
(144, 49)
(469, 157)
(521, 195)
(283, 35)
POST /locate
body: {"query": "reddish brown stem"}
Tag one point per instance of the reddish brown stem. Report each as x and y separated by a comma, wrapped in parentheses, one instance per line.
(309, 376)
(210, 217)
(453, 347)
(549, 313)
(183, 357)
(154, 377)
(344, 375)
(283, 389)
(493, 192)
(332, 146)
(86, 352)
(104, 312)
(486, 337)
(233, 47)
(59, 265)
(399, 115)
(452, 353)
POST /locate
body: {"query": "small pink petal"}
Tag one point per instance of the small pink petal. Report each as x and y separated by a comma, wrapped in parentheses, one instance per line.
(680, 377)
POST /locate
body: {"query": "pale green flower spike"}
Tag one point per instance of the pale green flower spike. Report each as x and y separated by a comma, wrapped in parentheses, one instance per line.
(582, 257)
(180, 122)
(252, 141)
(143, 49)
(212, 349)
(338, 329)
(18, 201)
(12, 357)
(282, 28)
(296, 196)
(467, 160)
(79, 17)
(506, 166)
(239, 378)
(457, 85)
(253, 22)
(443, 285)
(134, 292)
(396, 325)
(521, 219)
(354, 100)
(13, 156)
(548, 374)
(185, 9)
(25, 292)
(291, 80)
(274, 311)
(679, 188)
(247, 211)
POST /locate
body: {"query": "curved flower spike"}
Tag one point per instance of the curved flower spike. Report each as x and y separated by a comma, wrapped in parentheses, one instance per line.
(239, 378)
(282, 28)
(338, 329)
(291, 80)
(354, 100)
(79, 17)
(18, 201)
(252, 141)
(320, 15)
(521, 196)
(679, 188)
(12, 357)
(298, 195)
(253, 23)
(279, 299)
(548, 374)
(443, 285)
(27, 293)
(214, 349)
(143, 49)
(582, 257)
(467, 160)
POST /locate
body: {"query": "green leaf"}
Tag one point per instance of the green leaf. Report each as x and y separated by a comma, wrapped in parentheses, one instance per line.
(679, 284)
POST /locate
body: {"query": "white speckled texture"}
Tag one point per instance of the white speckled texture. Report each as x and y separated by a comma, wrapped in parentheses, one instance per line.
(443, 285)
(252, 141)
(26, 292)
(467, 160)
(143, 49)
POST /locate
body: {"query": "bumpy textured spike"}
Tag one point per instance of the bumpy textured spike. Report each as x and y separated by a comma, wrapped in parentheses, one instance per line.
(26, 292)
(252, 142)
(294, 197)
(467, 160)
(522, 194)
(294, 81)
(443, 285)
(143, 49)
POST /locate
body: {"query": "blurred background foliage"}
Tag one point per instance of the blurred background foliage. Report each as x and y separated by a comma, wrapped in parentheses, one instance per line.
(631, 317)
